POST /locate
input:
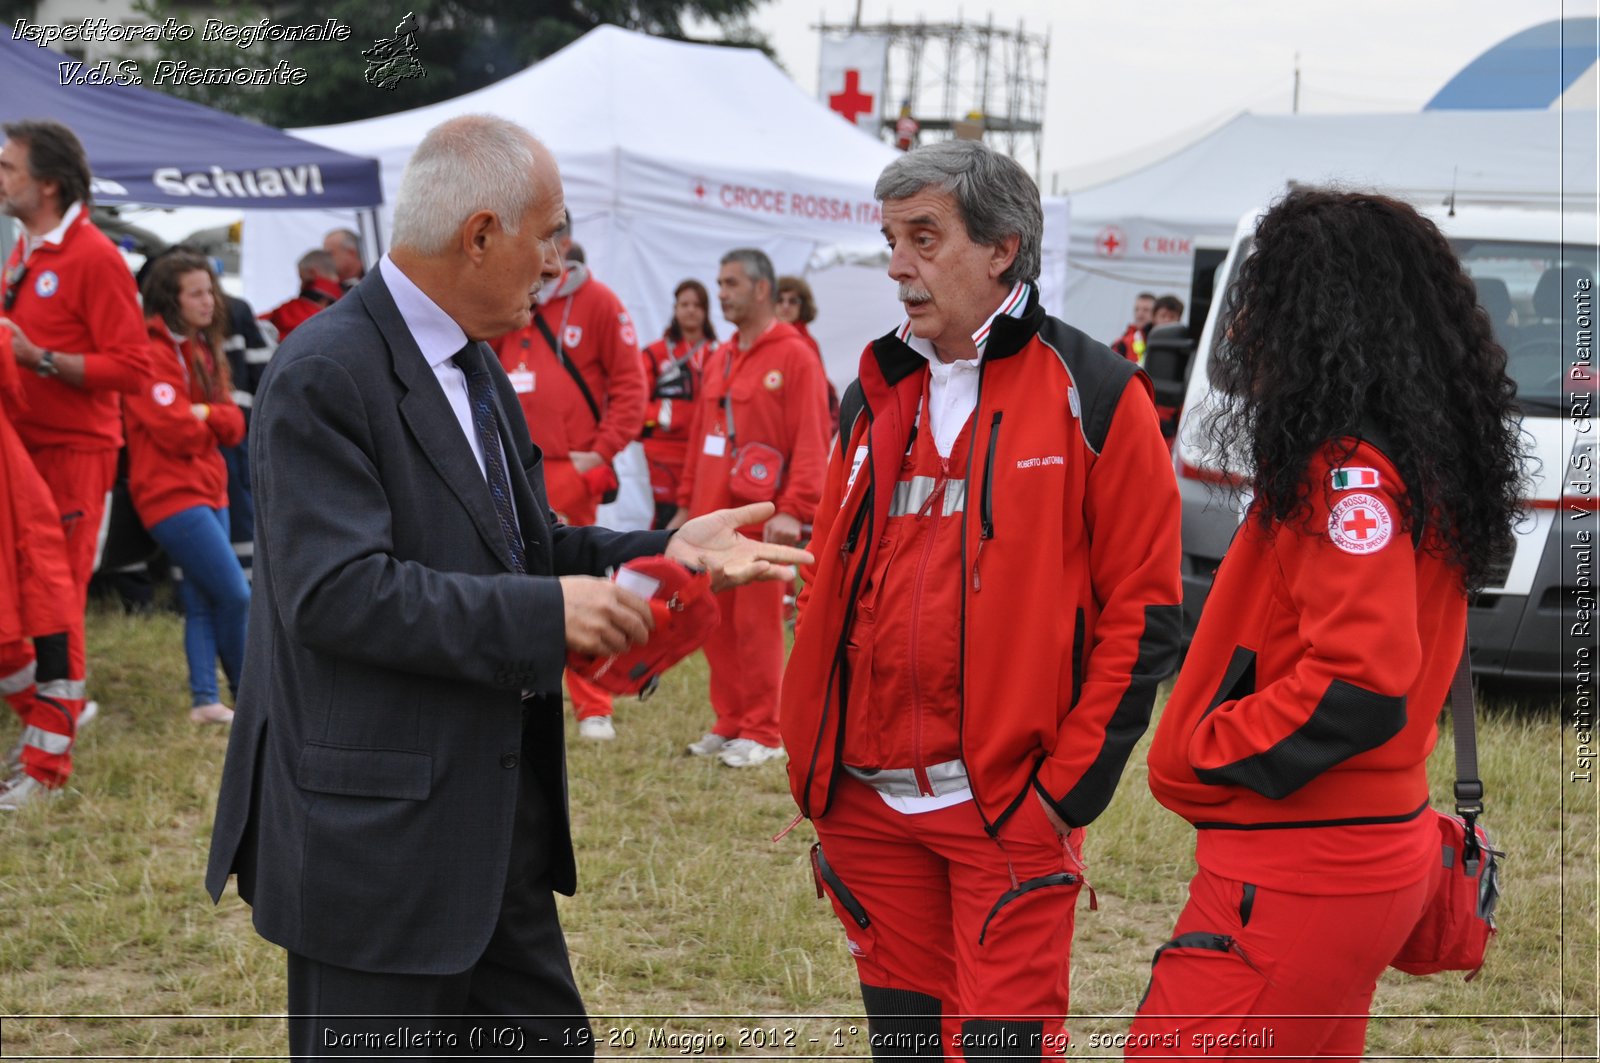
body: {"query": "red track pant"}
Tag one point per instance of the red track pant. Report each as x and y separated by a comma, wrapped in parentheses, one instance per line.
(36, 688)
(79, 481)
(575, 506)
(1256, 972)
(745, 653)
(958, 937)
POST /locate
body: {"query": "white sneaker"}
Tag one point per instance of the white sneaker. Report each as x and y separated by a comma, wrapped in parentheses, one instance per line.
(91, 709)
(216, 712)
(599, 728)
(747, 753)
(708, 745)
(21, 788)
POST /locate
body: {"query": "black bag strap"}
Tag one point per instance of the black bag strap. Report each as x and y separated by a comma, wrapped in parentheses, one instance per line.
(566, 363)
(1469, 787)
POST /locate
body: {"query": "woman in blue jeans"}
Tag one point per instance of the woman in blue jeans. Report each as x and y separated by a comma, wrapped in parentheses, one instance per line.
(176, 474)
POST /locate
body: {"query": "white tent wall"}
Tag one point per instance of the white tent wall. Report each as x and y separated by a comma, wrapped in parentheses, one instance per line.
(1158, 213)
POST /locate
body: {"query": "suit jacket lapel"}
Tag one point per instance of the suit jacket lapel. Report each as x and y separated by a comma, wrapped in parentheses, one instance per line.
(431, 420)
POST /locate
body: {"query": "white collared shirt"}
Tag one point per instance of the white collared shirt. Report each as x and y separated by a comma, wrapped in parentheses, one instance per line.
(54, 236)
(953, 386)
(440, 339)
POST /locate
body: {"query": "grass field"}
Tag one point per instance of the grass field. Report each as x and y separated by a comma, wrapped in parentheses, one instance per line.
(690, 919)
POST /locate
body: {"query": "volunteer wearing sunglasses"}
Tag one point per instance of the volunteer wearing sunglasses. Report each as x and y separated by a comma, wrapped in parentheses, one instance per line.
(1364, 399)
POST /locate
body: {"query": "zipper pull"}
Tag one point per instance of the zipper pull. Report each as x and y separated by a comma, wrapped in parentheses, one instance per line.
(977, 584)
(793, 823)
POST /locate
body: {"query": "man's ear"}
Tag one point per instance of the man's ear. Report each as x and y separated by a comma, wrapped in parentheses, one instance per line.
(1004, 253)
(476, 234)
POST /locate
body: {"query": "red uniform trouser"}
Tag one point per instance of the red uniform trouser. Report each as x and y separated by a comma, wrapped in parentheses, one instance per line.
(79, 481)
(745, 652)
(34, 684)
(968, 934)
(1241, 951)
(573, 503)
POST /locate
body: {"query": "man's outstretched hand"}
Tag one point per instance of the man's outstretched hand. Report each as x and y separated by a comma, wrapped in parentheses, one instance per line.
(713, 542)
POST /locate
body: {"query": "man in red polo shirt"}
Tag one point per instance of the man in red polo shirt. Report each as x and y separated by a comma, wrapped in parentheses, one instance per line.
(576, 371)
(760, 433)
(77, 334)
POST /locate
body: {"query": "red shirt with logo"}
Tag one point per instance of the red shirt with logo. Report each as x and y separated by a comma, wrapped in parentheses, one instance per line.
(36, 584)
(77, 297)
(173, 461)
(316, 295)
(592, 328)
(778, 399)
(1311, 693)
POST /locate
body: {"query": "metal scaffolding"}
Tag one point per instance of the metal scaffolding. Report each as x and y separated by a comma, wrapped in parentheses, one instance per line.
(947, 71)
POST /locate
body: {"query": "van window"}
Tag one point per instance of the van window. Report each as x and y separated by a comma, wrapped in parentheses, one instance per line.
(1527, 290)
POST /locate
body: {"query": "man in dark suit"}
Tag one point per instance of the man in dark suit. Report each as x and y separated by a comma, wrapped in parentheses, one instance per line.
(394, 798)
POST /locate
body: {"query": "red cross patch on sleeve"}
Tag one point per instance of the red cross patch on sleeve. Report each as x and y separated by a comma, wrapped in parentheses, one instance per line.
(1360, 524)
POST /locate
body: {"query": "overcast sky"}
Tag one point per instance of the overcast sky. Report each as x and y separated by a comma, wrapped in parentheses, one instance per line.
(1124, 75)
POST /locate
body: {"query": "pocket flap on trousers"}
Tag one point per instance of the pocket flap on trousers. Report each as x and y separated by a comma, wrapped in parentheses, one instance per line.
(393, 773)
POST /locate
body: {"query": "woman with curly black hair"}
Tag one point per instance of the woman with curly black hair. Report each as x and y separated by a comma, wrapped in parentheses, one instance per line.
(1363, 399)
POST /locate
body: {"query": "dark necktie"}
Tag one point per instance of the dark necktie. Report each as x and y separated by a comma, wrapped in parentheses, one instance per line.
(480, 394)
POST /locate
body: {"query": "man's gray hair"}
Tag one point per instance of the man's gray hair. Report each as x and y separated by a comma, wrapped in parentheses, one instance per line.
(317, 263)
(994, 194)
(467, 164)
(757, 266)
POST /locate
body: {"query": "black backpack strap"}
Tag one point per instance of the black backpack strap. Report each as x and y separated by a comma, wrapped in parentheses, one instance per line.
(1469, 787)
(850, 408)
(566, 363)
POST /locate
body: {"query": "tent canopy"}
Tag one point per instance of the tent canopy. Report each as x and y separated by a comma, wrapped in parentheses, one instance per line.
(147, 147)
(1140, 231)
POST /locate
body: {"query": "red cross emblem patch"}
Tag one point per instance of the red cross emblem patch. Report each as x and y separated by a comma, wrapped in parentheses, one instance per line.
(1360, 524)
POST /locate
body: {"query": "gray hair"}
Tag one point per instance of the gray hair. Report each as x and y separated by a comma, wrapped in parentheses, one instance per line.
(757, 266)
(467, 164)
(317, 263)
(994, 194)
(347, 237)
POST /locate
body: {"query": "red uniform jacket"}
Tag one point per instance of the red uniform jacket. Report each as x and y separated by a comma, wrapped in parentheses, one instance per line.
(594, 332)
(1313, 686)
(173, 461)
(778, 398)
(672, 377)
(316, 295)
(77, 297)
(1068, 591)
(36, 586)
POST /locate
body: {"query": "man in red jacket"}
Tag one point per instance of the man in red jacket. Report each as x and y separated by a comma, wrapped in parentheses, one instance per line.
(73, 313)
(759, 434)
(995, 598)
(576, 371)
(319, 288)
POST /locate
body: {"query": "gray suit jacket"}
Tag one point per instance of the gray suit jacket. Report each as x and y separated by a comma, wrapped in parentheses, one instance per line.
(371, 778)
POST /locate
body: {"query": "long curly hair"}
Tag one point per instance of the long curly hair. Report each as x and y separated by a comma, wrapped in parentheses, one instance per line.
(160, 289)
(1353, 318)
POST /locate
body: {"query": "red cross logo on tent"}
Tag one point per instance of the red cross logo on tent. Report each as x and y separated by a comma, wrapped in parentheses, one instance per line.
(1110, 242)
(852, 102)
(1360, 524)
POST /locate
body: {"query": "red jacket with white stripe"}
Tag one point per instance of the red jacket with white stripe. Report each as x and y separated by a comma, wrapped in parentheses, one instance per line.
(1068, 590)
(1312, 690)
(173, 461)
(78, 297)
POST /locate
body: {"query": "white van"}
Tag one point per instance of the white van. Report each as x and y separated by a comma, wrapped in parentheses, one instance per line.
(1532, 267)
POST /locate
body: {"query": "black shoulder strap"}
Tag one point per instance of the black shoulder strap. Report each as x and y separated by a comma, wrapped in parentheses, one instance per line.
(850, 407)
(1469, 787)
(566, 363)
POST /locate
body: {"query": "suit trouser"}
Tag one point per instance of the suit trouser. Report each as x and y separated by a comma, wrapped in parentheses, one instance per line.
(1258, 972)
(961, 940)
(518, 1001)
(745, 652)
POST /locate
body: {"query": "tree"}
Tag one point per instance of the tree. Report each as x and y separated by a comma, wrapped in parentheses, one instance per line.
(461, 45)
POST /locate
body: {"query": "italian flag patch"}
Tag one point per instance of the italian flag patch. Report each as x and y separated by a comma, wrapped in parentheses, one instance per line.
(1353, 477)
